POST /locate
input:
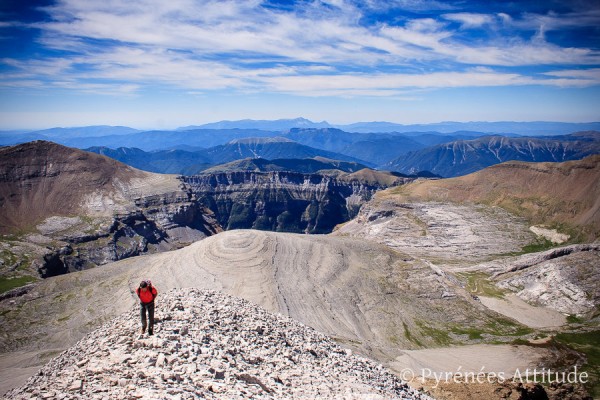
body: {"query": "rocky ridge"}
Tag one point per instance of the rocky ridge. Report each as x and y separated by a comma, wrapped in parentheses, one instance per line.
(210, 345)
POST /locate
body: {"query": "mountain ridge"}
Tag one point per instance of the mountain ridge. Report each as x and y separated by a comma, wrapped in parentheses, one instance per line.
(65, 209)
(466, 156)
(193, 162)
(524, 128)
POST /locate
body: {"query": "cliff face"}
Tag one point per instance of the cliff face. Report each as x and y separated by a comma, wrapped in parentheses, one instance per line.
(159, 223)
(282, 201)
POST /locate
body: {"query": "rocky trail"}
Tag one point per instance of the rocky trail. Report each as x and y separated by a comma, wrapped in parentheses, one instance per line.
(210, 345)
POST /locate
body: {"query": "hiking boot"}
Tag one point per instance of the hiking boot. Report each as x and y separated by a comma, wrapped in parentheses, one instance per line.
(150, 332)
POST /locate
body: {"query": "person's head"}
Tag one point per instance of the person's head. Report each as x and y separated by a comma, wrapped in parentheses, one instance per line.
(143, 285)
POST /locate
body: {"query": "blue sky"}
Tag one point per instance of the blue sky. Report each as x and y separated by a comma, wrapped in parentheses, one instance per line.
(163, 64)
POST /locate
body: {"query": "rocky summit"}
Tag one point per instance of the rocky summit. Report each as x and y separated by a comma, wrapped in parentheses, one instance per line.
(210, 345)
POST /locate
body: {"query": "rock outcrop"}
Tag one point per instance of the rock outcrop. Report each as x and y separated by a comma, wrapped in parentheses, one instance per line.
(439, 231)
(210, 345)
(564, 279)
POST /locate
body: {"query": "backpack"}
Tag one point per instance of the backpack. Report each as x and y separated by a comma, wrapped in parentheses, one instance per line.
(149, 287)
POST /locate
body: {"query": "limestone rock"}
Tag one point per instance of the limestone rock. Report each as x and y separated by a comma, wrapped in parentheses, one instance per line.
(286, 359)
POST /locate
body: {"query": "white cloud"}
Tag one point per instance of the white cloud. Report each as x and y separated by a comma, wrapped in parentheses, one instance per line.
(212, 45)
(577, 77)
(470, 20)
(394, 84)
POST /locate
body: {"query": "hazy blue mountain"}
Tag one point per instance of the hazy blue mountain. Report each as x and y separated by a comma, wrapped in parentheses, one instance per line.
(381, 150)
(277, 125)
(62, 135)
(465, 156)
(85, 131)
(165, 161)
(9, 138)
(503, 127)
(162, 140)
(432, 138)
(305, 166)
(270, 148)
(324, 138)
(375, 148)
(192, 162)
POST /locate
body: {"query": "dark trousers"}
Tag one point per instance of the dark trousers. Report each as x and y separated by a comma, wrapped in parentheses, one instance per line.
(149, 307)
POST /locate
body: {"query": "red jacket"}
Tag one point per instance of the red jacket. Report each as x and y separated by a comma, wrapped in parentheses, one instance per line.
(146, 296)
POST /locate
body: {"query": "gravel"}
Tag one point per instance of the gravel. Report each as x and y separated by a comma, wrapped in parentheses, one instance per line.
(210, 345)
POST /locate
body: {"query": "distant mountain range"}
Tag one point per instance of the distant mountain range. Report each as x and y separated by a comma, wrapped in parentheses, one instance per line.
(503, 127)
(269, 148)
(465, 156)
(190, 163)
(460, 151)
(165, 161)
(85, 132)
(144, 140)
(277, 125)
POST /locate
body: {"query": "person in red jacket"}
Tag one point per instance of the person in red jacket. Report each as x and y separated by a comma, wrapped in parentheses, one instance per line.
(147, 293)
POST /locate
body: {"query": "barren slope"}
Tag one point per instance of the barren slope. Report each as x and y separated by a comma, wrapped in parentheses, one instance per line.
(551, 193)
(63, 209)
(42, 179)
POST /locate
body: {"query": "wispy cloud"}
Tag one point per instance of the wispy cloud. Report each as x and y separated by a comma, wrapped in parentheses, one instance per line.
(312, 48)
(576, 77)
(470, 20)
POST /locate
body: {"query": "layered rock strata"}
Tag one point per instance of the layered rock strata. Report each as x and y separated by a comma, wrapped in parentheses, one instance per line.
(283, 201)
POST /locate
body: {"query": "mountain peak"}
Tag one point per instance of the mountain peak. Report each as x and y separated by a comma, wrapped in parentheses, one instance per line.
(215, 346)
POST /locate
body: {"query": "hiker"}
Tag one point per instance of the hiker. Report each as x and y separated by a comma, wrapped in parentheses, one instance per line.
(147, 293)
